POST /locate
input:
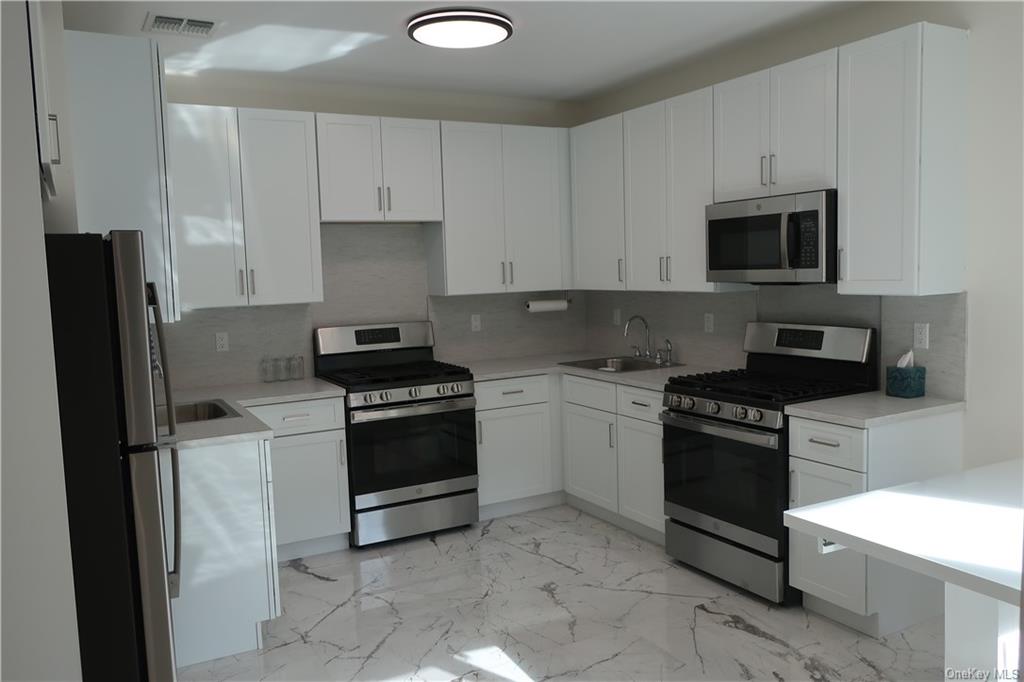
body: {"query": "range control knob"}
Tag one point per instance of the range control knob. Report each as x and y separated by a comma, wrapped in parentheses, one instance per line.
(674, 401)
(688, 403)
(739, 412)
(385, 396)
(755, 415)
(714, 408)
(442, 389)
(369, 398)
(414, 392)
(456, 388)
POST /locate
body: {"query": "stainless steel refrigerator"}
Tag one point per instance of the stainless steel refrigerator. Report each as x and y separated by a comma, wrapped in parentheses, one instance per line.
(112, 386)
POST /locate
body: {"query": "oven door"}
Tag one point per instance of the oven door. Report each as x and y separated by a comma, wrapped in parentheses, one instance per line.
(408, 452)
(727, 480)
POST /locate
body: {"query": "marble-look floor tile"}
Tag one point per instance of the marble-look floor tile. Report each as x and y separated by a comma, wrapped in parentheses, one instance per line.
(548, 595)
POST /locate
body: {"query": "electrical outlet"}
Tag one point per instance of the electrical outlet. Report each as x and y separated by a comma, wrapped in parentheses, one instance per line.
(709, 323)
(474, 322)
(922, 330)
(617, 316)
(222, 342)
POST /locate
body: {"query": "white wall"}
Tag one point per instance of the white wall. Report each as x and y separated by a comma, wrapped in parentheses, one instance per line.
(39, 627)
(995, 291)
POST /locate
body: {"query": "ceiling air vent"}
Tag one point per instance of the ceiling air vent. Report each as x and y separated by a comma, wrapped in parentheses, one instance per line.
(195, 28)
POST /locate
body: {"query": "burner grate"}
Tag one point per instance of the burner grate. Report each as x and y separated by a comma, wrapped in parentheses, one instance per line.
(399, 373)
(743, 383)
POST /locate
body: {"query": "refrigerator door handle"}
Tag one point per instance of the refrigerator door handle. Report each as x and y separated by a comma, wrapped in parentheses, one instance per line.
(149, 535)
(174, 575)
(154, 302)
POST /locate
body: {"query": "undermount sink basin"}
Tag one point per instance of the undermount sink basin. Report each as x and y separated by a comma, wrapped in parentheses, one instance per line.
(620, 364)
(202, 411)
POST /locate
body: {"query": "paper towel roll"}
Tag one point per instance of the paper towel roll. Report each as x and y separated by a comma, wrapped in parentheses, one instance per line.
(548, 306)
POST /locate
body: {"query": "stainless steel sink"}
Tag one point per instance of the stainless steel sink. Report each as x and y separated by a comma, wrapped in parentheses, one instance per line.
(204, 410)
(620, 364)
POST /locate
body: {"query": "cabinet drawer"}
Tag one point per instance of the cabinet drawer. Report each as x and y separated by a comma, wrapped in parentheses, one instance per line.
(832, 444)
(639, 403)
(491, 395)
(302, 416)
(599, 395)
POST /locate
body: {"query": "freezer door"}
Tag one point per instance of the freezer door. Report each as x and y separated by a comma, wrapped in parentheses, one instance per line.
(153, 574)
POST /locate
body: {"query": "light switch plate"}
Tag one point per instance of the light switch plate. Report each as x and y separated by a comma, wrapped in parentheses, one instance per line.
(922, 332)
(474, 322)
(709, 322)
(222, 342)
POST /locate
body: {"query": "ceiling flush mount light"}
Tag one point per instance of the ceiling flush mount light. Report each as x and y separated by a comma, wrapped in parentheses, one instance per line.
(460, 28)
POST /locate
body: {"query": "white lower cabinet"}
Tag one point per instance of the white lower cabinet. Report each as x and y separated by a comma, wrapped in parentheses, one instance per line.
(514, 453)
(310, 486)
(591, 455)
(641, 475)
(838, 577)
(229, 581)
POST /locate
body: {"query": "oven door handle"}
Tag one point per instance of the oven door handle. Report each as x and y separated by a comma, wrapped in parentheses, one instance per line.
(737, 433)
(361, 416)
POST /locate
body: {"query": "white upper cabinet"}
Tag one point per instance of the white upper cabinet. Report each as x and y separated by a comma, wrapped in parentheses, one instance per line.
(742, 113)
(803, 124)
(351, 176)
(474, 225)
(280, 208)
(206, 205)
(536, 201)
(376, 169)
(775, 130)
(598, 204)
(902, 162)
(645, 151)
(411, 152)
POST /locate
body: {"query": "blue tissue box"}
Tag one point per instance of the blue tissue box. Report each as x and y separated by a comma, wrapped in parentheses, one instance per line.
(904, 382)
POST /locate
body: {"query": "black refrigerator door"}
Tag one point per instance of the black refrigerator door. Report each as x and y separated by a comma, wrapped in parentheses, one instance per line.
(97, 477)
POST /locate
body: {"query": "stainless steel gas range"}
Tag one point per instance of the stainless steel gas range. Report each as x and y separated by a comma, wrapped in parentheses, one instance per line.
(726, 448)
(411, 429)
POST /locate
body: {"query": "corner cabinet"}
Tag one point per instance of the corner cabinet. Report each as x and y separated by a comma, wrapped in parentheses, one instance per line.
(903, 162)
(244, 205)
(376, 169)
(505, 210)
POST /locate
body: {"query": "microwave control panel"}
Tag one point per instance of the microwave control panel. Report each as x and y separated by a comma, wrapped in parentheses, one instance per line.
(808, 248)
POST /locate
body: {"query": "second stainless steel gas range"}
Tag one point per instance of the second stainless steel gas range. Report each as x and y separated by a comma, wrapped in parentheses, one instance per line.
(726, 448)
(411, 429)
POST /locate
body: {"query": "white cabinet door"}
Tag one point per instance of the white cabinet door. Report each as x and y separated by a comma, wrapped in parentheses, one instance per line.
(803, 124)
(411, 152)
(742, 137)
(839, 577)
(310, 486)
(646, 196)
(598, 205)
(474, 215)
(534, 198)
(206, 205)
(514, 453)
(351, 179)
(591, 462)
(879, 108)
(279, 200)
(690, 143)
(641, 475)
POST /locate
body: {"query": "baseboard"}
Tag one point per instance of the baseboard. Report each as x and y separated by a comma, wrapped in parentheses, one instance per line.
(306, 548)
(866, 624)
(649, 534)
(527, 504)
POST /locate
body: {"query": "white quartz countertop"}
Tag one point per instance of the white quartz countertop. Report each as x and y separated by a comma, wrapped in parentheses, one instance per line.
(240, 396)
(505, 368)
(964, 528)
(865, 410)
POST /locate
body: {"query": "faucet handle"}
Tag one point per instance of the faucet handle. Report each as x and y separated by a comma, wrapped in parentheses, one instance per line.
(665, 354)
(636, 350)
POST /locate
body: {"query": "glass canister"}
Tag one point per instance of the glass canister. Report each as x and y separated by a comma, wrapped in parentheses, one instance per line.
(296, 367)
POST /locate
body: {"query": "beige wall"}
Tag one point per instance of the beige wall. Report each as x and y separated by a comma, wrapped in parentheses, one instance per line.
(994, 258)
(282, 92)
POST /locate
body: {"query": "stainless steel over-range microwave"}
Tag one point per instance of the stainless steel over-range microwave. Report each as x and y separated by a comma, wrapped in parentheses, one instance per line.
(785, 239)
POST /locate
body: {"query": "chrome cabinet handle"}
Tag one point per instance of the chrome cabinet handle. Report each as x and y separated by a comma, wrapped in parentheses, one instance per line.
(515, 392)
(252, 281)
(389, 199)
(839, 265)
(479, 432)
(611, 435)
(296, 417)
(640, 404)
(502, 272)
(826, 443)
(668, 268)
(661, 269)
(380, 199)
(772, 169)
(511, 273)
(763, 158)
(241, 282)
(620, 270)
(55, 133)
(792, 486)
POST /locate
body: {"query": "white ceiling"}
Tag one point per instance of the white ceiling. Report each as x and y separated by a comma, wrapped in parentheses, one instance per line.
(560, 50)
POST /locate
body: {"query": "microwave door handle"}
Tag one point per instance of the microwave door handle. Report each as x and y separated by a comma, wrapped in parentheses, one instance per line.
(784, 240)
(154, 301)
